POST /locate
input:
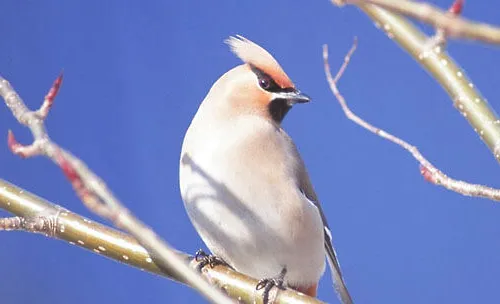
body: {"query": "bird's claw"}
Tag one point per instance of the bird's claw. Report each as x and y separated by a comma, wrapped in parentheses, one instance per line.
(268, 283)
(205, 259)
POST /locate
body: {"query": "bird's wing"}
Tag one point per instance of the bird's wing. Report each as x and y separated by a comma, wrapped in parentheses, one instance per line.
(339, 283)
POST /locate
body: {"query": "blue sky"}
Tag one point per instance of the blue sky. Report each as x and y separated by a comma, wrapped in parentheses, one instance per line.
(135, 73)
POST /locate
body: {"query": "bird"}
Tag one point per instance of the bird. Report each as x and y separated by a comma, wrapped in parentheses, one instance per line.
(244, 184)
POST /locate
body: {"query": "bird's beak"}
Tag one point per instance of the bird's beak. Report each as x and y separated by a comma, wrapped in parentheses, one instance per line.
(293, 97)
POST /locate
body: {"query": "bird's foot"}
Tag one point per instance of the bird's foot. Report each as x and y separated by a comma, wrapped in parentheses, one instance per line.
(205, 259)
(268, 283)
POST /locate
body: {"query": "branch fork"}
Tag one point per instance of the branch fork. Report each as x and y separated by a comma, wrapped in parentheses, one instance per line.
(448, 21)
(442, 33)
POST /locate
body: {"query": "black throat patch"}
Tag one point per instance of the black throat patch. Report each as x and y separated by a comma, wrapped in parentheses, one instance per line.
(278, 109)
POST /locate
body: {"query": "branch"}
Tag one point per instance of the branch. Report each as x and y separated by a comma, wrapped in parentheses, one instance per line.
(428, 170)
(93, 191)
(452, 25)
(37, 215)
(464, 94)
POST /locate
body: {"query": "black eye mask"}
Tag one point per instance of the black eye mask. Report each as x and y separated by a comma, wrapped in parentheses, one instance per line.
(267, 83)
(278, 107)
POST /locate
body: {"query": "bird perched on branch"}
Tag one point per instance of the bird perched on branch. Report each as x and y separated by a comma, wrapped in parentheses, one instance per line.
(244, 184)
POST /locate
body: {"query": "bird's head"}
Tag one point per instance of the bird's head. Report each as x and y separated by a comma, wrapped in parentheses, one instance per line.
(259, 86)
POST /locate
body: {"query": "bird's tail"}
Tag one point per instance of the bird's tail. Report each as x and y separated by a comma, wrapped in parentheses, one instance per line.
(338, 280)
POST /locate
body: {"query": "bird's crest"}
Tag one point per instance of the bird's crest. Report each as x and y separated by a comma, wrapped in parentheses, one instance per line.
(253, 54)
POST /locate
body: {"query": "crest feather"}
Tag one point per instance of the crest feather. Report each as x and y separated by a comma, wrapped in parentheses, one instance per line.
(257, 56)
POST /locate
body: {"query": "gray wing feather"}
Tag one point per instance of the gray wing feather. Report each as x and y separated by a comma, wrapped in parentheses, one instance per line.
(338, 280)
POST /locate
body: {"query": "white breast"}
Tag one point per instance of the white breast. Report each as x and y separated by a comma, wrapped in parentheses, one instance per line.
(239, 183)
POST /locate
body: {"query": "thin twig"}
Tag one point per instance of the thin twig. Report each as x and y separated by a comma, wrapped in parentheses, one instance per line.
(56, 222)
(93, 191)
(453, 26)
(429, 171)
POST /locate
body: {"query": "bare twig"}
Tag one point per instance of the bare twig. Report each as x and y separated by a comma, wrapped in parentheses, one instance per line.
(93, 191)
(37, 215)
(429, 171)
(452, 25)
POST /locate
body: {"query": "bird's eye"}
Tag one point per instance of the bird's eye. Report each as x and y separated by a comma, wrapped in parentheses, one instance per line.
(265, 83)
